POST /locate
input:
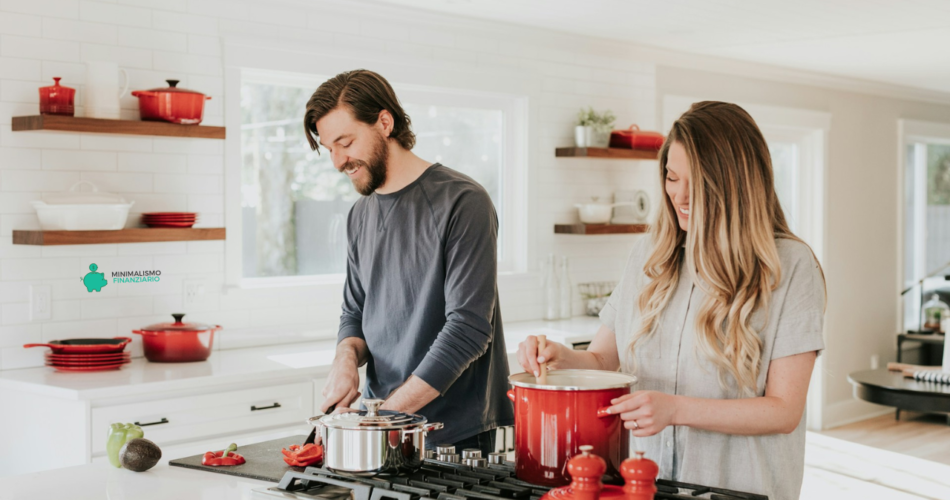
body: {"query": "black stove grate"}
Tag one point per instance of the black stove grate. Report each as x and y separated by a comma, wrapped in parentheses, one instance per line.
(437, 480)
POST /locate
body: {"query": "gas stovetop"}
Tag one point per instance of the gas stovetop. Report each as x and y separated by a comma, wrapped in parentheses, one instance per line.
(438, 480)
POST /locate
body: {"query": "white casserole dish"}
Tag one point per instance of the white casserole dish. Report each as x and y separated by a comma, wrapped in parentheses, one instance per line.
(76, 210)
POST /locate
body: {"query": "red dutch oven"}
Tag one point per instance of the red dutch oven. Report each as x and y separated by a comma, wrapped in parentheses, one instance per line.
(171, 104)
(177, 342)
(552, 422)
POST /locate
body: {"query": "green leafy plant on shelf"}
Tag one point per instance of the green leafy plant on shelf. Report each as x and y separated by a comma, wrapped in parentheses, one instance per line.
(600, 122)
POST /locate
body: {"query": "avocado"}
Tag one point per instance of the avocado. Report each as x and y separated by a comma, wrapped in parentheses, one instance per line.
(139, 455)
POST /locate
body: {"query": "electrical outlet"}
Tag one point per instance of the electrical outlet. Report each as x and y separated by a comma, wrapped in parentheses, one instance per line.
(875, 361)
(41, 302)
(193, 292)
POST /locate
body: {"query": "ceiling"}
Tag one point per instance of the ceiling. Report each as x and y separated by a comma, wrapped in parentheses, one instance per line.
(901, 42)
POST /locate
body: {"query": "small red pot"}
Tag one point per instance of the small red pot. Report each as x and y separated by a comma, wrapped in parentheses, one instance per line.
(177, 342)
(552, 422)
(171, 104)
(57, 99)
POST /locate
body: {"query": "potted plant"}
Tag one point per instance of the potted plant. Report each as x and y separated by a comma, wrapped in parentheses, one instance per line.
(593, 129)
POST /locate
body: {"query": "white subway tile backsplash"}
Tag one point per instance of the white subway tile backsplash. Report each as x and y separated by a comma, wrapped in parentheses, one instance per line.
(11, 222)
(116, 307)
(17, 313)
(153, 39)
(120, 182)
(185, 23)
(38, 48)
(40, 268)
(66, 310)
(205, 204)
(188, 183)
(57, 159)
(104, 249)
(187, 264)
(18, 203)
(79, 31)
(20, 69)
(219, 8)
(72, 74)
(20, 158)
(17, 335)
(72, 288)
(20, 24)
(51, 8)
(109, 142)
(210, 220)
(120, 15)
(10, 251)
(16, 291)
(187, 63)
(205, 164)
(189, 146)
(9, 139)
(145, 202)
(126, 56)
(154, 248)
(204, 45)
(153, 162)
(35, 180)
(206, 247)
(20, 91)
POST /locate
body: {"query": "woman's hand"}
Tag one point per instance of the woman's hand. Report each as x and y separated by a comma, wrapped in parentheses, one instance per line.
(530, 359)
(645, 412)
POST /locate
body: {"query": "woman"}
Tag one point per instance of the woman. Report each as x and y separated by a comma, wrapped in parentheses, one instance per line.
(719, 314)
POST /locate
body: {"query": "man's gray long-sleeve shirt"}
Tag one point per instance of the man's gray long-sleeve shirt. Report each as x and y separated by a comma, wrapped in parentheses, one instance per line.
(421, 290)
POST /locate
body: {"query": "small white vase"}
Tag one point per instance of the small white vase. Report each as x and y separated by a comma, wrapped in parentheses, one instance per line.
(583, 135)
(599, 138)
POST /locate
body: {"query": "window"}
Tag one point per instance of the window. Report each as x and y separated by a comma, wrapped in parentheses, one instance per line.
(926, 217)
(294, 203)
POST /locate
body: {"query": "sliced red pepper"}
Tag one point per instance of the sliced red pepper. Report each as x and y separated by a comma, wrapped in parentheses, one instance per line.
(303, 456)
(225, 457)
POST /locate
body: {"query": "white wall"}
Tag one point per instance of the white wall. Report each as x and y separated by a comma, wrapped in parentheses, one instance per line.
(862, 238)
(183, 39)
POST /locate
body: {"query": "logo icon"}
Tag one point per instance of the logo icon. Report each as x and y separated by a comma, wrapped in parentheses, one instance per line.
(94, 281)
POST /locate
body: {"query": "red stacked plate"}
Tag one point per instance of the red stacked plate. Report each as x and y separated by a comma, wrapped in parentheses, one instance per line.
(170, 219)
(86, 355)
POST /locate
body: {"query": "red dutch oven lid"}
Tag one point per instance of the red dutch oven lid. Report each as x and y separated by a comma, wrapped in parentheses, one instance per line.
(172, 89)
(178, 326)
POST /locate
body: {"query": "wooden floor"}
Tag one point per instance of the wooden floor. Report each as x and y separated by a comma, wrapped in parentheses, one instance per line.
(925, 436)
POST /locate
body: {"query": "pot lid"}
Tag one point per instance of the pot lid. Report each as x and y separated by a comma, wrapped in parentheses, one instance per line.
(76, 197)
(173, 88)
(370, 418)
(574, 380)
(177, 325)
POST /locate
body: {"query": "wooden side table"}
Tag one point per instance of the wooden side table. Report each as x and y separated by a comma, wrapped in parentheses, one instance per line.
(889, 388)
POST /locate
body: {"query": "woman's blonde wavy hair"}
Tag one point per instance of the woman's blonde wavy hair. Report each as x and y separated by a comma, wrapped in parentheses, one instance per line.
(735, 217)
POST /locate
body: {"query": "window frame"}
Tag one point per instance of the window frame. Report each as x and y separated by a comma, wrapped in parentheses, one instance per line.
(514, 185)
(912, 132)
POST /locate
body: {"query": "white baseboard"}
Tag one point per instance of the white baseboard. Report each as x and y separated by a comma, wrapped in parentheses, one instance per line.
(850, 411)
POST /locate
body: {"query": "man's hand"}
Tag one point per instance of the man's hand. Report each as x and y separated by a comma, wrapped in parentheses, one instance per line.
(343, 384)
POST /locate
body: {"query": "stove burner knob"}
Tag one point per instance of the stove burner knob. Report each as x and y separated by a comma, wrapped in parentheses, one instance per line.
(444, 449)
(471, 453)
(497, 458)
(451, 458)
(479, 462)
(430, 454)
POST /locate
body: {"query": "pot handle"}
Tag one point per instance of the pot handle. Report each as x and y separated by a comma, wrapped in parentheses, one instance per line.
(126, 339)
(511, 395)
(143, 93)
(26, 346)
(140, 332)
(429, 427)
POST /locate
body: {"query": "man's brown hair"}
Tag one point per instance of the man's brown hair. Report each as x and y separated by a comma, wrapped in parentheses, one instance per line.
(365, 94)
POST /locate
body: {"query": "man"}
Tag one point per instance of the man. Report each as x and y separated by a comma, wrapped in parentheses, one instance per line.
(420, 303)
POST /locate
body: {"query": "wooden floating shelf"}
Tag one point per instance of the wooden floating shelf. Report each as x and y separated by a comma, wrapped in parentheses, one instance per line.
(134, 235)
(601, 228)
(103, 126)
(610, 153)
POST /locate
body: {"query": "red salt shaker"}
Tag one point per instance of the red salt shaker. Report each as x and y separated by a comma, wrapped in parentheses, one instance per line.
(586, 471)
(57, 99)
(640, 476)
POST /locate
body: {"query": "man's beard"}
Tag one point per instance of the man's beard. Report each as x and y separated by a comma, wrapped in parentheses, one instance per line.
(376, 168)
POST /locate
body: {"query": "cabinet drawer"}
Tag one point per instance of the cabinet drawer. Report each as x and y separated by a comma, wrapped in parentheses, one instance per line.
(168, 421)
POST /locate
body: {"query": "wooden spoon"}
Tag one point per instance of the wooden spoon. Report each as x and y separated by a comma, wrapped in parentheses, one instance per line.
(543, 377)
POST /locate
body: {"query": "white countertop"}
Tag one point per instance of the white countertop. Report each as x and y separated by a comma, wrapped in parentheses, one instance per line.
(239, 365)
(102, 481)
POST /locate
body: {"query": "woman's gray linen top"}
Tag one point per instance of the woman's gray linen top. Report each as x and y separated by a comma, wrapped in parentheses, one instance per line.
(669, 361)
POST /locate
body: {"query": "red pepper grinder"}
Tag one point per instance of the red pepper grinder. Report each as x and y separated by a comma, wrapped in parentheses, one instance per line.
(56, 99)
(586, 471)
(640, 476)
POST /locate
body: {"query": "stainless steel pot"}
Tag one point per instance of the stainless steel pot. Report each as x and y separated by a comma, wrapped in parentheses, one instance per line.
(373, 441)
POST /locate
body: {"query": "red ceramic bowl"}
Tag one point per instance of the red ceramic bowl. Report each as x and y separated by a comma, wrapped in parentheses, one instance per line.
(177, 342)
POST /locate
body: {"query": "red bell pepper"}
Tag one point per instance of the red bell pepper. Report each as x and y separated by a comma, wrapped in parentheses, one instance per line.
(303, 456)
(225, 457)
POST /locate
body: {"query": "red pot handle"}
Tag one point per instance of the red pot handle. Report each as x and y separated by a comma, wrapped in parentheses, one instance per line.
(511, 395)
(207, 97)
(602, 412)
(143, 93)
(26, 346)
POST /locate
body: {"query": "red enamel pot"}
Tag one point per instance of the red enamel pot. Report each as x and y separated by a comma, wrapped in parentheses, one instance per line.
(553, 420)
(171, 104)
(177, 342)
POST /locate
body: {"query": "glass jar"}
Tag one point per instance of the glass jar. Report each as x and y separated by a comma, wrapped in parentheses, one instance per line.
(935, 311)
